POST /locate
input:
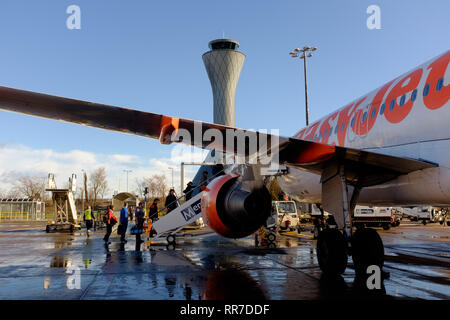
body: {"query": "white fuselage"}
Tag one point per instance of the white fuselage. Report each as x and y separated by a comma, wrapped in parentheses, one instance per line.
(407, 117)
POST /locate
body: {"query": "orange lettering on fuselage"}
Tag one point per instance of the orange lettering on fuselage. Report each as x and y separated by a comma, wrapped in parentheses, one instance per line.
(300, 134)
(343, 122)
(376, 103)
(311, 131)
(325, 128)
(394, 112)
(358, 121)
(436, 99)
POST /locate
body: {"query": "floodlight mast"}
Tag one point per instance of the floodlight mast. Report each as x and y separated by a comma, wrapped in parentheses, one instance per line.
(303, 54)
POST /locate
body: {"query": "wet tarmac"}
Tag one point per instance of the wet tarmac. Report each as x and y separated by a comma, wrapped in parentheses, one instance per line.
(37, 265)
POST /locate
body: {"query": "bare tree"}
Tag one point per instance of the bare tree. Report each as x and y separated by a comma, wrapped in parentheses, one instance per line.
(30, 187)
(156, 184)
(98, 184)
(140, 186)
(11, 193)
(159, 186)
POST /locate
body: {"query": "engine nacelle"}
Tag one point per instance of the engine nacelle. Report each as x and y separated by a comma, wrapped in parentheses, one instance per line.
(233, 212)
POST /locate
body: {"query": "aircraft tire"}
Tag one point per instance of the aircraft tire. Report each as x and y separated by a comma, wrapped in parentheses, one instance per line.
(332, 252)
(367, 249)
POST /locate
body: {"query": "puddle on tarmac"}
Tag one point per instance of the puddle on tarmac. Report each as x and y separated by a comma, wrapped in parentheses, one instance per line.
(231, 284)
(60, 262)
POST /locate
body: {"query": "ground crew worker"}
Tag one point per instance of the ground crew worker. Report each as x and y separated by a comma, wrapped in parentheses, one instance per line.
(124, 222)
(88, 220)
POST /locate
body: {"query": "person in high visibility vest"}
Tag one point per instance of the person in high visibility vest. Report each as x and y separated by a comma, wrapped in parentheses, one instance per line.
(89, 220)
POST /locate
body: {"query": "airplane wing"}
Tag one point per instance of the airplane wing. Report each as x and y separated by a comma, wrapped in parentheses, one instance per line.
(306, 155)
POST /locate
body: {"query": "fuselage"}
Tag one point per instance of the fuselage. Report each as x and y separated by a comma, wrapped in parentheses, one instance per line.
(407, 117)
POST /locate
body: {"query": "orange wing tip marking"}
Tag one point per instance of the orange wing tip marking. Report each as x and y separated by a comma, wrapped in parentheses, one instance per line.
(315, 152)
(168, 126)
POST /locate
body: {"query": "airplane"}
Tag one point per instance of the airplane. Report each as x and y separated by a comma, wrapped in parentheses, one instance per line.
(389, 147)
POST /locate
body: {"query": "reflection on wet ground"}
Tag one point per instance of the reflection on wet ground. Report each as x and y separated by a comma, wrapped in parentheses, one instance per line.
(36, 265)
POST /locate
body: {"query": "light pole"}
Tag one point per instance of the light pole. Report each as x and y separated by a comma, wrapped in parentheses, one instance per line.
(303, 54)
(127, 171)
(172, 177)
(82, 190)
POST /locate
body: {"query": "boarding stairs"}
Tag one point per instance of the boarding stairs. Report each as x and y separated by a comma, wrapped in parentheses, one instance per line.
(65, 209)
(185, 214)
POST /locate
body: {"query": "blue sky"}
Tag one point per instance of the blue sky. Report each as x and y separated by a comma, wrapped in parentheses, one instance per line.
(147, 55)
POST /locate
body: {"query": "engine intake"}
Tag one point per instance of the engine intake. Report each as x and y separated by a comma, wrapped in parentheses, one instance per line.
(231, 211)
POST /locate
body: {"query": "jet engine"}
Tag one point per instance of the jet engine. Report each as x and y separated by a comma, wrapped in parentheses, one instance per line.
(232, 211)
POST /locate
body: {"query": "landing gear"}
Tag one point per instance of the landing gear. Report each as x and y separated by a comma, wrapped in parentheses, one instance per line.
(271, 237)
(171, 240)
(367, 250)
(332, 251)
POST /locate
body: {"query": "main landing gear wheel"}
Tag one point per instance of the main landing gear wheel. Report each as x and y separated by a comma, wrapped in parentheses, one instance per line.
(332, 251)
(367, 249)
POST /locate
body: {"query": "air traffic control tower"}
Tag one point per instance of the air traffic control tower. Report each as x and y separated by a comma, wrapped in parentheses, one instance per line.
(224, 63)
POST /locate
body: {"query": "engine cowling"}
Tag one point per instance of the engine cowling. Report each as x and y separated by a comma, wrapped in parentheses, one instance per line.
(231, 211)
